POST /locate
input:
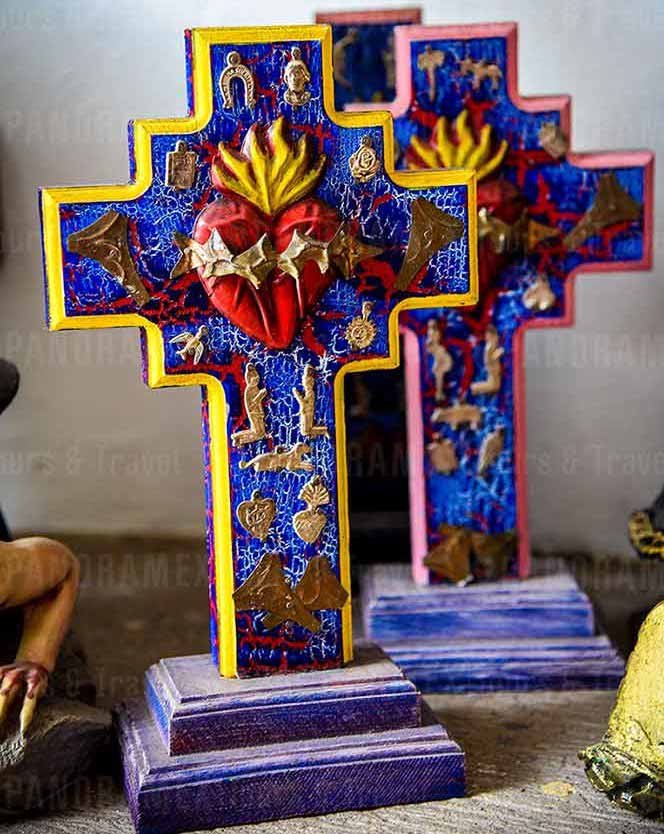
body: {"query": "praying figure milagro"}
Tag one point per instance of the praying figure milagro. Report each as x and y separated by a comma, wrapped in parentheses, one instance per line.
(263, 275)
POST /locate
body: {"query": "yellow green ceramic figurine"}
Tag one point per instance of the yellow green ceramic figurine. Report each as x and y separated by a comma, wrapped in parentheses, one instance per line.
(628, 764)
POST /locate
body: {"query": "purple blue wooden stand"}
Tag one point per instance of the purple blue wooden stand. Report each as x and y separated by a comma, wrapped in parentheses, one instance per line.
(514, 664)
(224, 751)
(536, 633)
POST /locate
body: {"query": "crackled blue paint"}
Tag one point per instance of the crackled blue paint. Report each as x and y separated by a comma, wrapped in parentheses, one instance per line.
(557, 193)
(382, 210)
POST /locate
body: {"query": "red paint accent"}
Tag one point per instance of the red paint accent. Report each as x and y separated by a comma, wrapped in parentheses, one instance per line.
(309, 338)
(210, 151)
(476, 111)
(379, 201)
(423, 117)
(319, 133)
(466, 349)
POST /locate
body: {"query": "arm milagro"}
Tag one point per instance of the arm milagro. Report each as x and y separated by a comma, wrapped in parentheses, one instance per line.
(42, 577)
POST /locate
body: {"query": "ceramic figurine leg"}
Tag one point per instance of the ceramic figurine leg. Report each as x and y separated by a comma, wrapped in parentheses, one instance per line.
(41, 577)
(242, 751)
(628, 764)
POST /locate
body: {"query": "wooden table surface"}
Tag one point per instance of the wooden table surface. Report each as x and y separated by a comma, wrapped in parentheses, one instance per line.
(141, 601)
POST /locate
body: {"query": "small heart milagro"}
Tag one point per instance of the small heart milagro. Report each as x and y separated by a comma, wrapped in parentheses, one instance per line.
(260, 247)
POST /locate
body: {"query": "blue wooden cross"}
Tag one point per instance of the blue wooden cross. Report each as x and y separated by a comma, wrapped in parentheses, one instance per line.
(545, 214)
(264, 246)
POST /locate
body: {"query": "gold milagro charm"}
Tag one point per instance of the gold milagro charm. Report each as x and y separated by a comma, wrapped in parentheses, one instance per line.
(306, 399)
(257, 514)
(309, 523)
(442, 359)
(282, 458)
(451, 557)
(236, 69)
(297, 78)
(193, 346)
(267, 589)
(481, 70)
(539, 295)
(612, 204)
(459, 414)
(442, 455)
(429, 61)
(493, 354)
(181, 166)
(339, 57)
(553, 140)
(431, 230)
(490, 450)
(253, 404)
(346, 251)
(106, 242)
(364, 163)
(361, 331)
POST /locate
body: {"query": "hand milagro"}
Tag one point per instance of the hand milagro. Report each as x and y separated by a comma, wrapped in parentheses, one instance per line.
(42, 577)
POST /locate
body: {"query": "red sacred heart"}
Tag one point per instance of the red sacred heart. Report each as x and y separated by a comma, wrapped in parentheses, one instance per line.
(504, 201)
(271, 313)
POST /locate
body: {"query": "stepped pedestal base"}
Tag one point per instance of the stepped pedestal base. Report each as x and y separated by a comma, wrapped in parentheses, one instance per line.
(523, 635)
(552, 663)
(262, 749)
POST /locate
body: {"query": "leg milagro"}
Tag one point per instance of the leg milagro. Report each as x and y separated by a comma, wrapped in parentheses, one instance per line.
(628, 764)
(41, 576)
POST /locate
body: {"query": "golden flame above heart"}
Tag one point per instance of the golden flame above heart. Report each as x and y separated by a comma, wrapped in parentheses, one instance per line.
(269, 171)
(455, 146)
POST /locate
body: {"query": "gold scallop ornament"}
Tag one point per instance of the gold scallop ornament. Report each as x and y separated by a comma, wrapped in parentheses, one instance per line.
(364, 164)
(361, 331)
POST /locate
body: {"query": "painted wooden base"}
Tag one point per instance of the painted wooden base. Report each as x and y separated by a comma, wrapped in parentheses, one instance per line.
(388, 748)
(196, 710)
(395, 609)
(550, 663)
(536, 633)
